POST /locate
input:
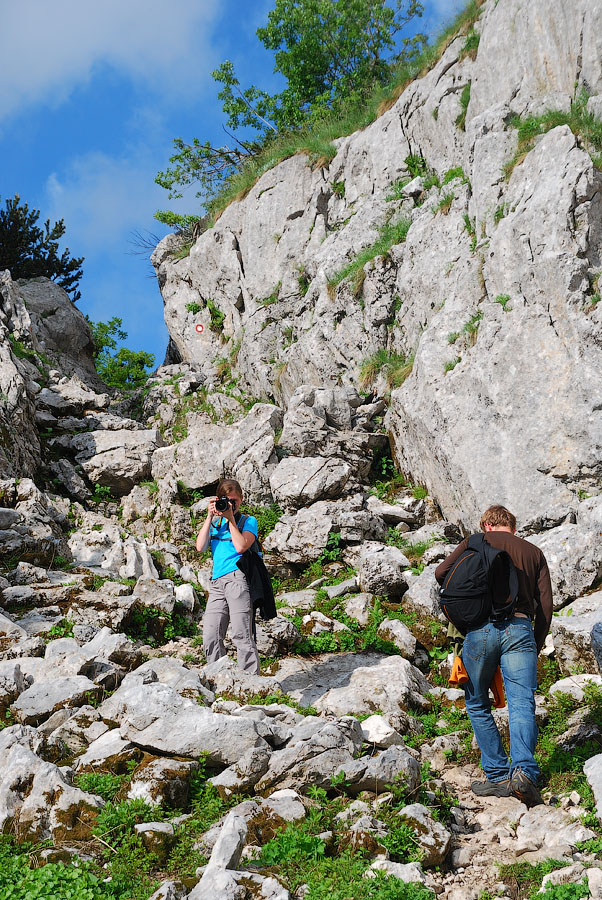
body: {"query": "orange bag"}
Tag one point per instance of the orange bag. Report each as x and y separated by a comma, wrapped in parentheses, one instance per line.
(458, 674)
(497, 689)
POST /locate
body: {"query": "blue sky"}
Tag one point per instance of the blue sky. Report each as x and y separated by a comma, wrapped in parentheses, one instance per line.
(92, 95)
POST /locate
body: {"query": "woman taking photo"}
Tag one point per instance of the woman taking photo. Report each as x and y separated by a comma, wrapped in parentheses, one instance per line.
(229, 597)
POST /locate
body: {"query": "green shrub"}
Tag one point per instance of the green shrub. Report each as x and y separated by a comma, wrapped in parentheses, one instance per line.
(416, 165)
(292, 844)
(154, 626)
(193, 307)
(117, 819)
(471, 328)
(216, 317)
(525, 879)
(273, 298)
(396, 191)
(469, 227)
(267, 517)
(500, 212)
(503, 300)
(21, 351)
(60, 630)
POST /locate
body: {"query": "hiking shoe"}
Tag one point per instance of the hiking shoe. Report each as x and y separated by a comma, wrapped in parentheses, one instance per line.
(523, 788)
(491, 788)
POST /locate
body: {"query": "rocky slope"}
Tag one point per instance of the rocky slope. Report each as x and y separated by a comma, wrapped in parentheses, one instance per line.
(242, 787)
(509, 409)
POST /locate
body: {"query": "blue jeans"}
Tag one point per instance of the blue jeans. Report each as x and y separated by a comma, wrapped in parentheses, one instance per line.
(510, 645)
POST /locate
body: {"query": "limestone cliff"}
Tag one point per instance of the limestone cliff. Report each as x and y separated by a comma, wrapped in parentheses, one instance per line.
(492, 292)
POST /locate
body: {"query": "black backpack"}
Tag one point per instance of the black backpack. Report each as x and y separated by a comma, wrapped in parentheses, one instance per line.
(481, 585)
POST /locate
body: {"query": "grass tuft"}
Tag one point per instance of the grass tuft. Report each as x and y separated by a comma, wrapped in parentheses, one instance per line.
(582, 123)
(389, 236)
(395, 367)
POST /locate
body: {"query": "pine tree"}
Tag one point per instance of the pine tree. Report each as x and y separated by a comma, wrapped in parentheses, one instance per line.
(29, 251)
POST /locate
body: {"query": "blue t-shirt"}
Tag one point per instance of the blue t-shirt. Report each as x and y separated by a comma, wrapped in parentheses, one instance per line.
(225, 554)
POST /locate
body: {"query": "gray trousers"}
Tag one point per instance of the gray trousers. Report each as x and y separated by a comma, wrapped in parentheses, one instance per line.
(230, 601)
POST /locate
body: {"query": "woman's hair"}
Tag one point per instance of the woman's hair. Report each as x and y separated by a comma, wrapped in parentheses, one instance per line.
(498, 515)
(226, 485)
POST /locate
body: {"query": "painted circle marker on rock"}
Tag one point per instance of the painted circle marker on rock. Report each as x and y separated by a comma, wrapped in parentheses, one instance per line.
(199, 328)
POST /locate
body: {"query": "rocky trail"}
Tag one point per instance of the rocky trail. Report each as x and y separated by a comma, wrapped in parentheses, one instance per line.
(391, 341)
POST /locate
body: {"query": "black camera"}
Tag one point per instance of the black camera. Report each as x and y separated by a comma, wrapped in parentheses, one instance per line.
(221, 504)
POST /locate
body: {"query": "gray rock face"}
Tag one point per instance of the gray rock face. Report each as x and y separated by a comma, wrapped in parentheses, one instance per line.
(115, 459)
(245, 451)
(573, 633)
(62, 330)
(545, 454)
(19, 439)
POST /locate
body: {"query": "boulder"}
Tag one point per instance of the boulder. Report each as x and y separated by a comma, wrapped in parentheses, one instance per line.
(593, 773)
(43, 698)
(38, 803)
(114, 459)
(342, 684)
(382, 571)
(394, 631)
(301, 538)
(434, 840)
(574, 559)
(155, 717)
(297, 482)
(163, 782)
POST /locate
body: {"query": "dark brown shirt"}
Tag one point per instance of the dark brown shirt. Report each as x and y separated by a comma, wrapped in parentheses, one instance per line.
(534, 585)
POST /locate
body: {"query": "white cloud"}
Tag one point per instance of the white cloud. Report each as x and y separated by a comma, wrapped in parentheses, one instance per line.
(439, 13)
(102, 198)
(48, 47)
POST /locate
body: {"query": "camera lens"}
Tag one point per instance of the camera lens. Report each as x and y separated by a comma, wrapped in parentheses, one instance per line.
(221, 504)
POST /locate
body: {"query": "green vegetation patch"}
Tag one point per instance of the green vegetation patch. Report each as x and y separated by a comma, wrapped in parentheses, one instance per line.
(22, 878)
(155, 627)
(464, 101)
(581, 122)
(394, 367)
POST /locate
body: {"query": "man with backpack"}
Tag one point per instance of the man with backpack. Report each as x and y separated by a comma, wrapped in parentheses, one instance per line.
(501, 585)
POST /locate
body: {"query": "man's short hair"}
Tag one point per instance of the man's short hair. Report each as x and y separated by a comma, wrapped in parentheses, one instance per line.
(498, 515)
(227, 485)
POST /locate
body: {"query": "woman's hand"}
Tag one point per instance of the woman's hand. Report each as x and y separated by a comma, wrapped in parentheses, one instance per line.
(229, 514)
(211, 510)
